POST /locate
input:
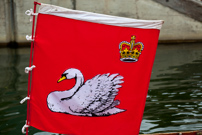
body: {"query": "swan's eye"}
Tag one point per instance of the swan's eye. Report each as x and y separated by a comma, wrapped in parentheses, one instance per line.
(64, 75)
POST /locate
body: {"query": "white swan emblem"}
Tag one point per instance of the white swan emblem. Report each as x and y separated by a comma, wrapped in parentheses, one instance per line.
(95, 97)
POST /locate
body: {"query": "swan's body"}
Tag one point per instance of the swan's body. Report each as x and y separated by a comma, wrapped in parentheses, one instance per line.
(95, 97)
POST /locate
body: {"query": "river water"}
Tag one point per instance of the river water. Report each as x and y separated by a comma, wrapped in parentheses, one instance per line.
(174, 100)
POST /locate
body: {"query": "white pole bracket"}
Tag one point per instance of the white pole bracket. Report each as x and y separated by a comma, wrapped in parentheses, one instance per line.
(29, 38)
(24, 99)
(31, 14)
(27, 69)
(24, 127)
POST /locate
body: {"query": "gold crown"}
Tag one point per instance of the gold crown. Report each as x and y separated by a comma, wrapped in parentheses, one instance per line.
(130, 52)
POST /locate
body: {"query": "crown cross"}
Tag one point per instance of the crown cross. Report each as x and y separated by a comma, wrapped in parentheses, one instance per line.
(130, 52)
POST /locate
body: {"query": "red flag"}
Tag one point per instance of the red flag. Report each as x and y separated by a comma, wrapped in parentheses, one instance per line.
(92, 72)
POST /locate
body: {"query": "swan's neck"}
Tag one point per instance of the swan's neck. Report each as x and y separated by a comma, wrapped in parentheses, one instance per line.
(79, 82)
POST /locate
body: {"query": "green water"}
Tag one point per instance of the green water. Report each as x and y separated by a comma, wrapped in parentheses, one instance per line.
(174, 101)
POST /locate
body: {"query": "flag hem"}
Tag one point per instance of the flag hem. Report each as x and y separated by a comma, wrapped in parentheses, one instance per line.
(99, 18)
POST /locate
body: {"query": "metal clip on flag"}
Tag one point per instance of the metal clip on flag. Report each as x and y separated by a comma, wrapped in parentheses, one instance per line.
(108, 61)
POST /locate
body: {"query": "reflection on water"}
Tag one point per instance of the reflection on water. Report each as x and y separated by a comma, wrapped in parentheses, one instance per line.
(12, 89)
(174, 101)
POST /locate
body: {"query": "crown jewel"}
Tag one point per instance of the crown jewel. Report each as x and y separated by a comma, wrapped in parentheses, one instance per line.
(130, 52)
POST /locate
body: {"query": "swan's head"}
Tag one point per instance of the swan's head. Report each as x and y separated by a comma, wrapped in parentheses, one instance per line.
(70, 74)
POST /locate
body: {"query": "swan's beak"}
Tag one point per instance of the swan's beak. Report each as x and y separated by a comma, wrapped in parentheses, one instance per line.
(62, 78)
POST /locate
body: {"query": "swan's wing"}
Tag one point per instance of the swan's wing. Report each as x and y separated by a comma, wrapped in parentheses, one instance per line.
(112, 84)
(97, 94)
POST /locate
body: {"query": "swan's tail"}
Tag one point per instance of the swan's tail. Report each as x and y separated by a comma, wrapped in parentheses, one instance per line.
(110, 112)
